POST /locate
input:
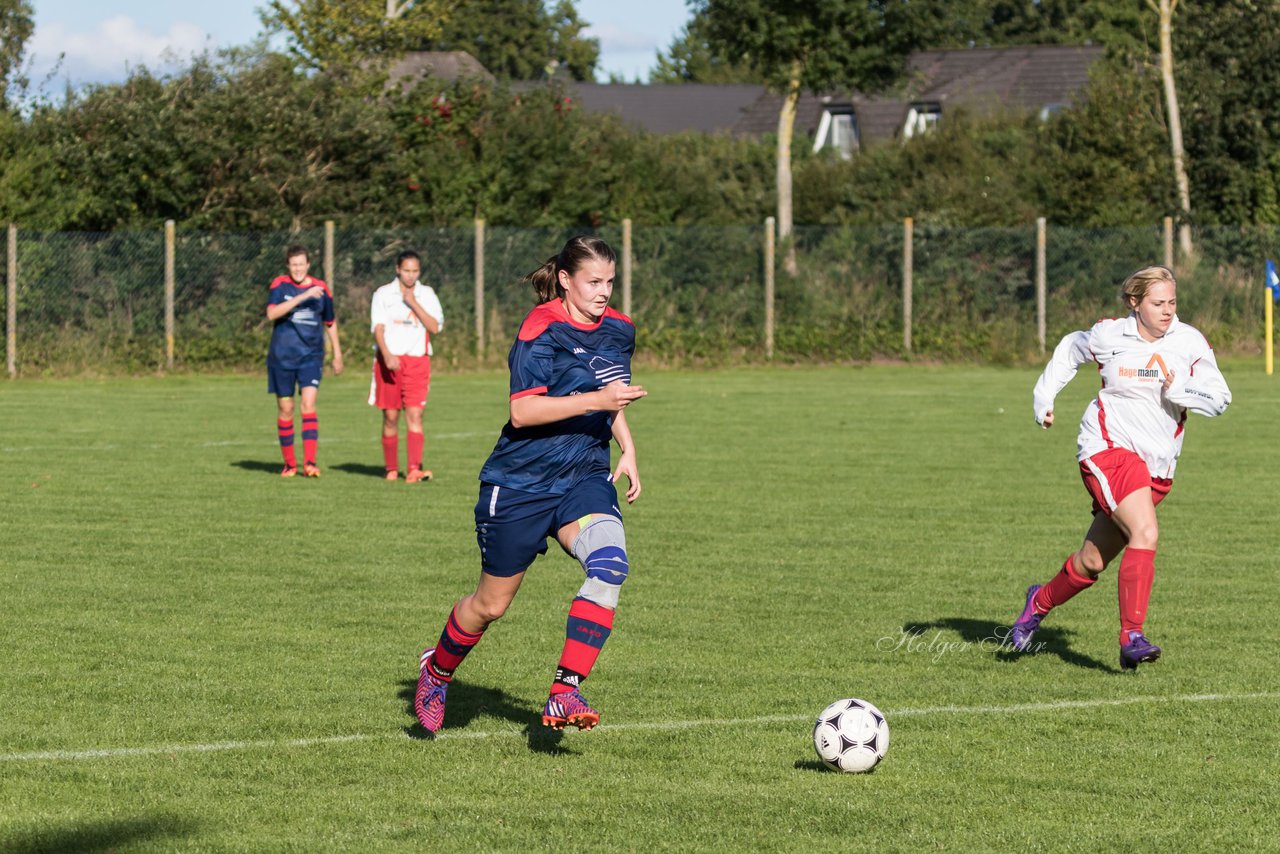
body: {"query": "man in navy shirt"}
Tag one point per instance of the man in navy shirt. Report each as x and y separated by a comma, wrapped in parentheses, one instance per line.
(301, 307)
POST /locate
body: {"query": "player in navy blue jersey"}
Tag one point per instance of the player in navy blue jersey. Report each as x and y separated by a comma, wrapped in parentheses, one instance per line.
(301, 307)
(549, 476)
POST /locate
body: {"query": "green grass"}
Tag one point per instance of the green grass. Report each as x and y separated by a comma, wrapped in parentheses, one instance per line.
(253, 641)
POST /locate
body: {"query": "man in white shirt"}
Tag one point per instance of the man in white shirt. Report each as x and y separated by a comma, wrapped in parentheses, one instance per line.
(405, 314)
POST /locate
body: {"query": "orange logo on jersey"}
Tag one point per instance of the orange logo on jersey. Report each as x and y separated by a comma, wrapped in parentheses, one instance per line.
(1150, 372)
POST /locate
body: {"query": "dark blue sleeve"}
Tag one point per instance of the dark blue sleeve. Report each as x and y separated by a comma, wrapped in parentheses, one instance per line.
(327, 313)
(531, 366)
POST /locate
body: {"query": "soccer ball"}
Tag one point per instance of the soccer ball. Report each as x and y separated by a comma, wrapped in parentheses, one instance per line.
(851, 735)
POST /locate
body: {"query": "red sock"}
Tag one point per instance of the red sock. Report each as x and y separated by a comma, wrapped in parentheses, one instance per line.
(391, 452)
(414, 442)
(453, 646)
(588, 628)
(1137, 572)
(285, 431)
(1061, 587)
(310, 436)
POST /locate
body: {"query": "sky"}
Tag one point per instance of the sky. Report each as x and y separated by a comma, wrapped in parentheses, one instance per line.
(99, 40)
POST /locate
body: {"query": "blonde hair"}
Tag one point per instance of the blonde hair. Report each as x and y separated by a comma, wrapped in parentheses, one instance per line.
(1140, 281)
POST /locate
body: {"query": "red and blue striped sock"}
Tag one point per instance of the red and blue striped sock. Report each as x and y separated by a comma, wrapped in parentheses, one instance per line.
(284, 429)
(310, 436)
(453, 646)
(587, 629)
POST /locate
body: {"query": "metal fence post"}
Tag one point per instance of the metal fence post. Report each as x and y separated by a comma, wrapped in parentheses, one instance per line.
(908, 229)
(1040, 281)
(328, 254)
(168, 292)
(479, 263)
(11, 304)
(770, 249)
(626, 266)
(1168, 242)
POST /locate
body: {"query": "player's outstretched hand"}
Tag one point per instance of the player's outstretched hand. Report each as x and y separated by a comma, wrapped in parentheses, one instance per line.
(617, 395)
(627, 466)
(1048, 420)
(315, 291)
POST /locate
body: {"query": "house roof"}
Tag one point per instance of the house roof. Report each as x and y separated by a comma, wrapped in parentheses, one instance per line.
(1028, 77)
(667, 108)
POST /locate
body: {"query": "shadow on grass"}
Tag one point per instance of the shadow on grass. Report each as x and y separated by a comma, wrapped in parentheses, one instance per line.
(986, 635)
(362, 469)
(98, 835)
(468, 702)
(259, 465)
(815, 765)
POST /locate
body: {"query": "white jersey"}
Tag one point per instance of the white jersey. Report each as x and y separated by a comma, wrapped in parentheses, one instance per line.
(402, 331)
(1132, 410)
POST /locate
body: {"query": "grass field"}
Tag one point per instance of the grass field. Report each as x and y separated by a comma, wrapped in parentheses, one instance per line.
(199, 655)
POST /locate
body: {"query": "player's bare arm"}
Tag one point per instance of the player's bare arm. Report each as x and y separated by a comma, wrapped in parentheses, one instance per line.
(391, 360)
(627, 459)
(275, 312)
(541, 409)
(433, 325)
(337, 348)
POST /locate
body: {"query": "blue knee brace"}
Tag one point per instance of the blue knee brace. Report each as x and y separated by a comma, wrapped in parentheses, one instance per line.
(601, 548)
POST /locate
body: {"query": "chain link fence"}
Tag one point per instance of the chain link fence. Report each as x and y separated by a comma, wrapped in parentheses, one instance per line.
(96, 302)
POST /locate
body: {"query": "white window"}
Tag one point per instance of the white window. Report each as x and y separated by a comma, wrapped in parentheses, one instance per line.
(837, 130)
(920, 118)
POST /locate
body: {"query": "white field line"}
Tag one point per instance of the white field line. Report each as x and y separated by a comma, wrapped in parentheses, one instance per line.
(655, 726)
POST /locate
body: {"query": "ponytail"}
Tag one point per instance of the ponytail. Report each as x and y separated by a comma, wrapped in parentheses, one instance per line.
(546, 285)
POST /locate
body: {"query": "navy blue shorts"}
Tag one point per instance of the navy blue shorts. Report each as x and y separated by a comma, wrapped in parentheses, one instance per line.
(512, 527)
(282, 381)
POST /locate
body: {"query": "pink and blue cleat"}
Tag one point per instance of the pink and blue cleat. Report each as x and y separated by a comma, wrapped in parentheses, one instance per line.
(428, 700)
(569, 709)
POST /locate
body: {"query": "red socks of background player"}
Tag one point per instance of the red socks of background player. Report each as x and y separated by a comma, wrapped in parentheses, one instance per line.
(391, 451)
(1137, 572)
(310, 436)
(413, 442)
(587, 629)
(284, 429)
(453, 646)
(1061, 587)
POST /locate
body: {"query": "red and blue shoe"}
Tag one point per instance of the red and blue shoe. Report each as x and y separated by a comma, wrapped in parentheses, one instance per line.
(569, 709)
(1028, 622)
(1137, 650)
(428, 700)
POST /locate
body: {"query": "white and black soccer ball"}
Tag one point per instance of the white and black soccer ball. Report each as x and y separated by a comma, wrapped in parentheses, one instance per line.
(851, 735)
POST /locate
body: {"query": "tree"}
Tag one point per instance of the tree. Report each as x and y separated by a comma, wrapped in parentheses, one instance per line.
(521, 39)
(328, 33)
(1165, 8)
(816, 46)
(15, 28)
(690, 59)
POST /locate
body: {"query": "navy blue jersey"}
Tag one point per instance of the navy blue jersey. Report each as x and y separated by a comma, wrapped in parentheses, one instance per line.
(557, 356)
(298, 337)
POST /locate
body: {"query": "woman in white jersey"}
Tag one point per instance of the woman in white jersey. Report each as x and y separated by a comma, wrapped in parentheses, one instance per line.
(1154, 370)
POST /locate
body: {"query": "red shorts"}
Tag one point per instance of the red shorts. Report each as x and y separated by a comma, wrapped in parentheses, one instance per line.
(1113, 474)
(403, 389)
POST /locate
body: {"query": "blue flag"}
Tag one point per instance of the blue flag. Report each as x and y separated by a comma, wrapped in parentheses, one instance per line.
(1273, 280)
